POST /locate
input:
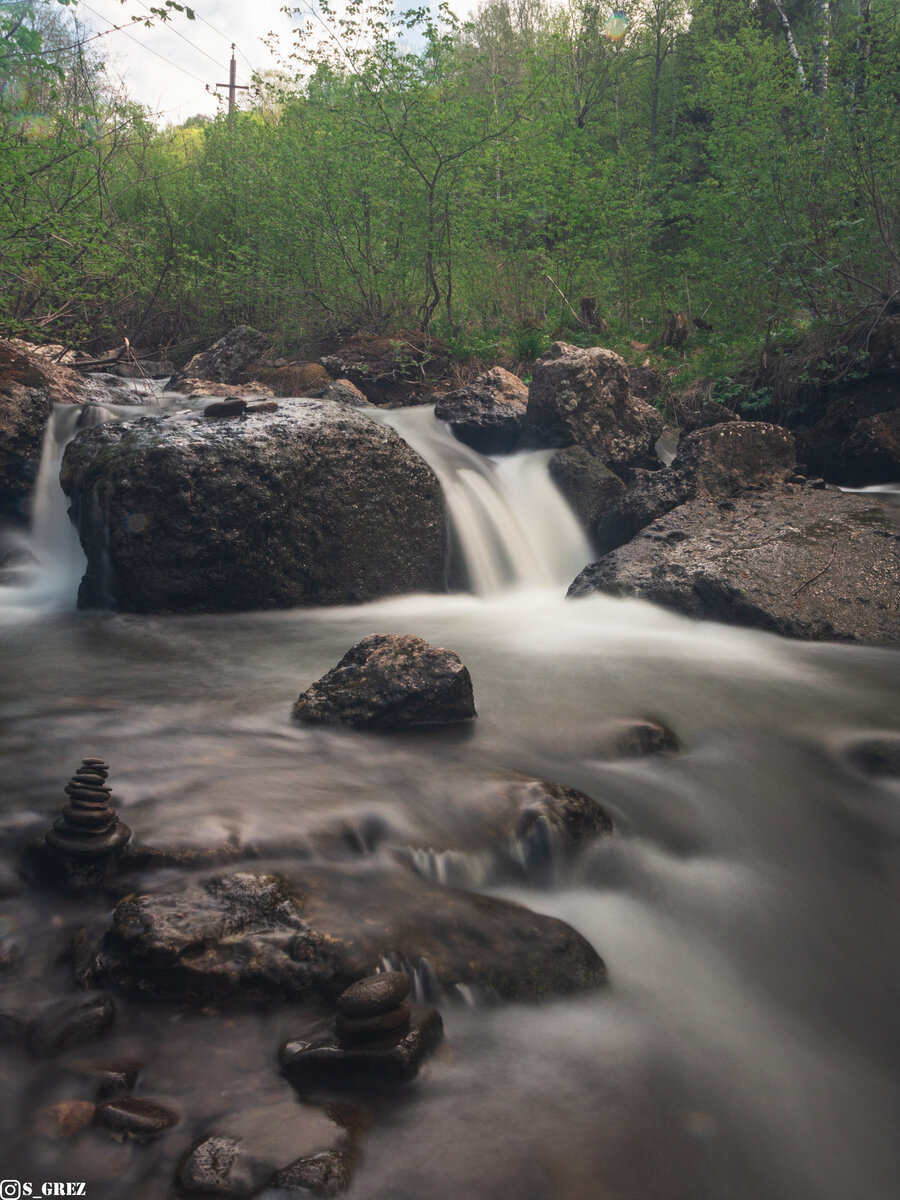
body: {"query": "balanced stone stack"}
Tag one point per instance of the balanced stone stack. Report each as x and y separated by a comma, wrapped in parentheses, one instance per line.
(373, 1008)
(379, 1039)
(87, 837)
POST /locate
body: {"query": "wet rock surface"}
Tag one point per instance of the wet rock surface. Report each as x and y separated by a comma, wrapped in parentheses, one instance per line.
(135, 1116)
(582, 397)
(634, 738)
(218, 1166)
(541, 824)
(390, 681)
(718, 461)
(223, 360)
(68, 1023)
(341, 1062)
(588, 486)
(107, 1077)
(804, 563)
(342, 391)
(314, 504)
(488, 414)
(246, 938)
(877, 756)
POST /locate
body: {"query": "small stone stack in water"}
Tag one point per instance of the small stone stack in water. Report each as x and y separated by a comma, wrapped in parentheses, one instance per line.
(378, 1039)
(86, 838)
(373, 1008)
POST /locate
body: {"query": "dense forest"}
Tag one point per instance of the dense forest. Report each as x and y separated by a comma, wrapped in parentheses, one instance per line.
(733, 160)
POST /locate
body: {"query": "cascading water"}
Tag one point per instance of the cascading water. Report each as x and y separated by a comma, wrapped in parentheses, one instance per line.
(51, 561)
(746, 904)
(513, 527)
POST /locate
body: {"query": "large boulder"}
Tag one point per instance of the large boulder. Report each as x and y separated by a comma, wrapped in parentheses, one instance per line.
(871, 454)
(312, 504)
(588, 486)
(847, 445)
(244, 938)
(224, 360)
(807, 563)
(392, 370)
(488, 414)
(582, 397)
(390, 681)
(29, 386)
(716, 461)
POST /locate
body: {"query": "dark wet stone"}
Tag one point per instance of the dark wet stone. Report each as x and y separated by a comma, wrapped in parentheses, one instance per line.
(811, 564)
(363, 1028)
(390, 681)
(89, 778)
(879, 756)
(109, 1076)
(13, 1028)
(394, 1059)
(325, 1174)
(540, 824)
(136, 1116)
(68, 1023)
(313, 505)
(374, 994)
(225, 408)
(262, 406)
(488, 414)
(629, 737)
(244, 938)
(217, 1166)
(588, 486)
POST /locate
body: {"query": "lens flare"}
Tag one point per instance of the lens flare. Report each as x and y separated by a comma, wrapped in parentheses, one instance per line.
(615, 25)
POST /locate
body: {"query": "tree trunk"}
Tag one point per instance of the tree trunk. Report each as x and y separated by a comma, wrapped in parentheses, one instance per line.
(789, 38)
(822, 45)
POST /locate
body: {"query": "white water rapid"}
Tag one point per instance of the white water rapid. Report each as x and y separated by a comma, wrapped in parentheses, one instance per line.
(513, 527)
(746, 905)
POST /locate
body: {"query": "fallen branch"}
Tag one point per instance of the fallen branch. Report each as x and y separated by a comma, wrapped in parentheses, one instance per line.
(813, 578)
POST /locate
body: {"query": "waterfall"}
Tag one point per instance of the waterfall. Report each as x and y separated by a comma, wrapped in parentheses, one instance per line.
(513, 527)
(48, 559)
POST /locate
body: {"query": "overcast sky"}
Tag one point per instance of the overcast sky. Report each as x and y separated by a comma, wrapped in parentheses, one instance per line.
(167, 67)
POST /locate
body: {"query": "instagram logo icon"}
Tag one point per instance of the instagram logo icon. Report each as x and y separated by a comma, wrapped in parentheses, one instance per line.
(10, 1189)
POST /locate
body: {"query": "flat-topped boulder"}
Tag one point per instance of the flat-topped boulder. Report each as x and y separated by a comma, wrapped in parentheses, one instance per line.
(582, 397)
(390, 681)
(488, 414)
(804, 563)
(311, 504)
(242, 939)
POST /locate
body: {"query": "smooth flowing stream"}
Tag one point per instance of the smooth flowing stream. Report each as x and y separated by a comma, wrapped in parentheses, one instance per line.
(747, 907)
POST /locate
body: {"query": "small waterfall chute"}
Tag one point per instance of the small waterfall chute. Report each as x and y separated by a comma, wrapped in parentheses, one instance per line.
(513, 527)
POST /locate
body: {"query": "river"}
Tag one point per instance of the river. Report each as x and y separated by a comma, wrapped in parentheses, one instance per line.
(747, 908)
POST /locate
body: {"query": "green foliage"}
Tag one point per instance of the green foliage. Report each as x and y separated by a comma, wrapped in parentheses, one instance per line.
(403, 170)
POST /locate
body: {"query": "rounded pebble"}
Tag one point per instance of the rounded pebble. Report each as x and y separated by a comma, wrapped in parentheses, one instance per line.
(373, 995)
(375, 1026)
(134, 1115)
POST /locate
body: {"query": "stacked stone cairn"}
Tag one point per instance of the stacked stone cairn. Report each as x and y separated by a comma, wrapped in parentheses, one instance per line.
(379, 1039)
(87, 838)
(373, 1008)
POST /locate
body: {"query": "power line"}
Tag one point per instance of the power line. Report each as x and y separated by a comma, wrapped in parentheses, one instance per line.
(84, 41)
(143, 46)
(227, 39)
(194, 46)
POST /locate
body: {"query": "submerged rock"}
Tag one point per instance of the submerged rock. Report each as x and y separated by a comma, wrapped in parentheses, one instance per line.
(68, 1023)
(629, 737)
(390, 681)
(313, 504)
(390, 1059)
(807, 564)
(582, 397)
(135, 1116)
(244, 938)
(541, 823)
(488, 414)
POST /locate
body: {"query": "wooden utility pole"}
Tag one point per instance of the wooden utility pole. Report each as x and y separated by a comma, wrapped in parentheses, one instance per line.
(233, 86)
